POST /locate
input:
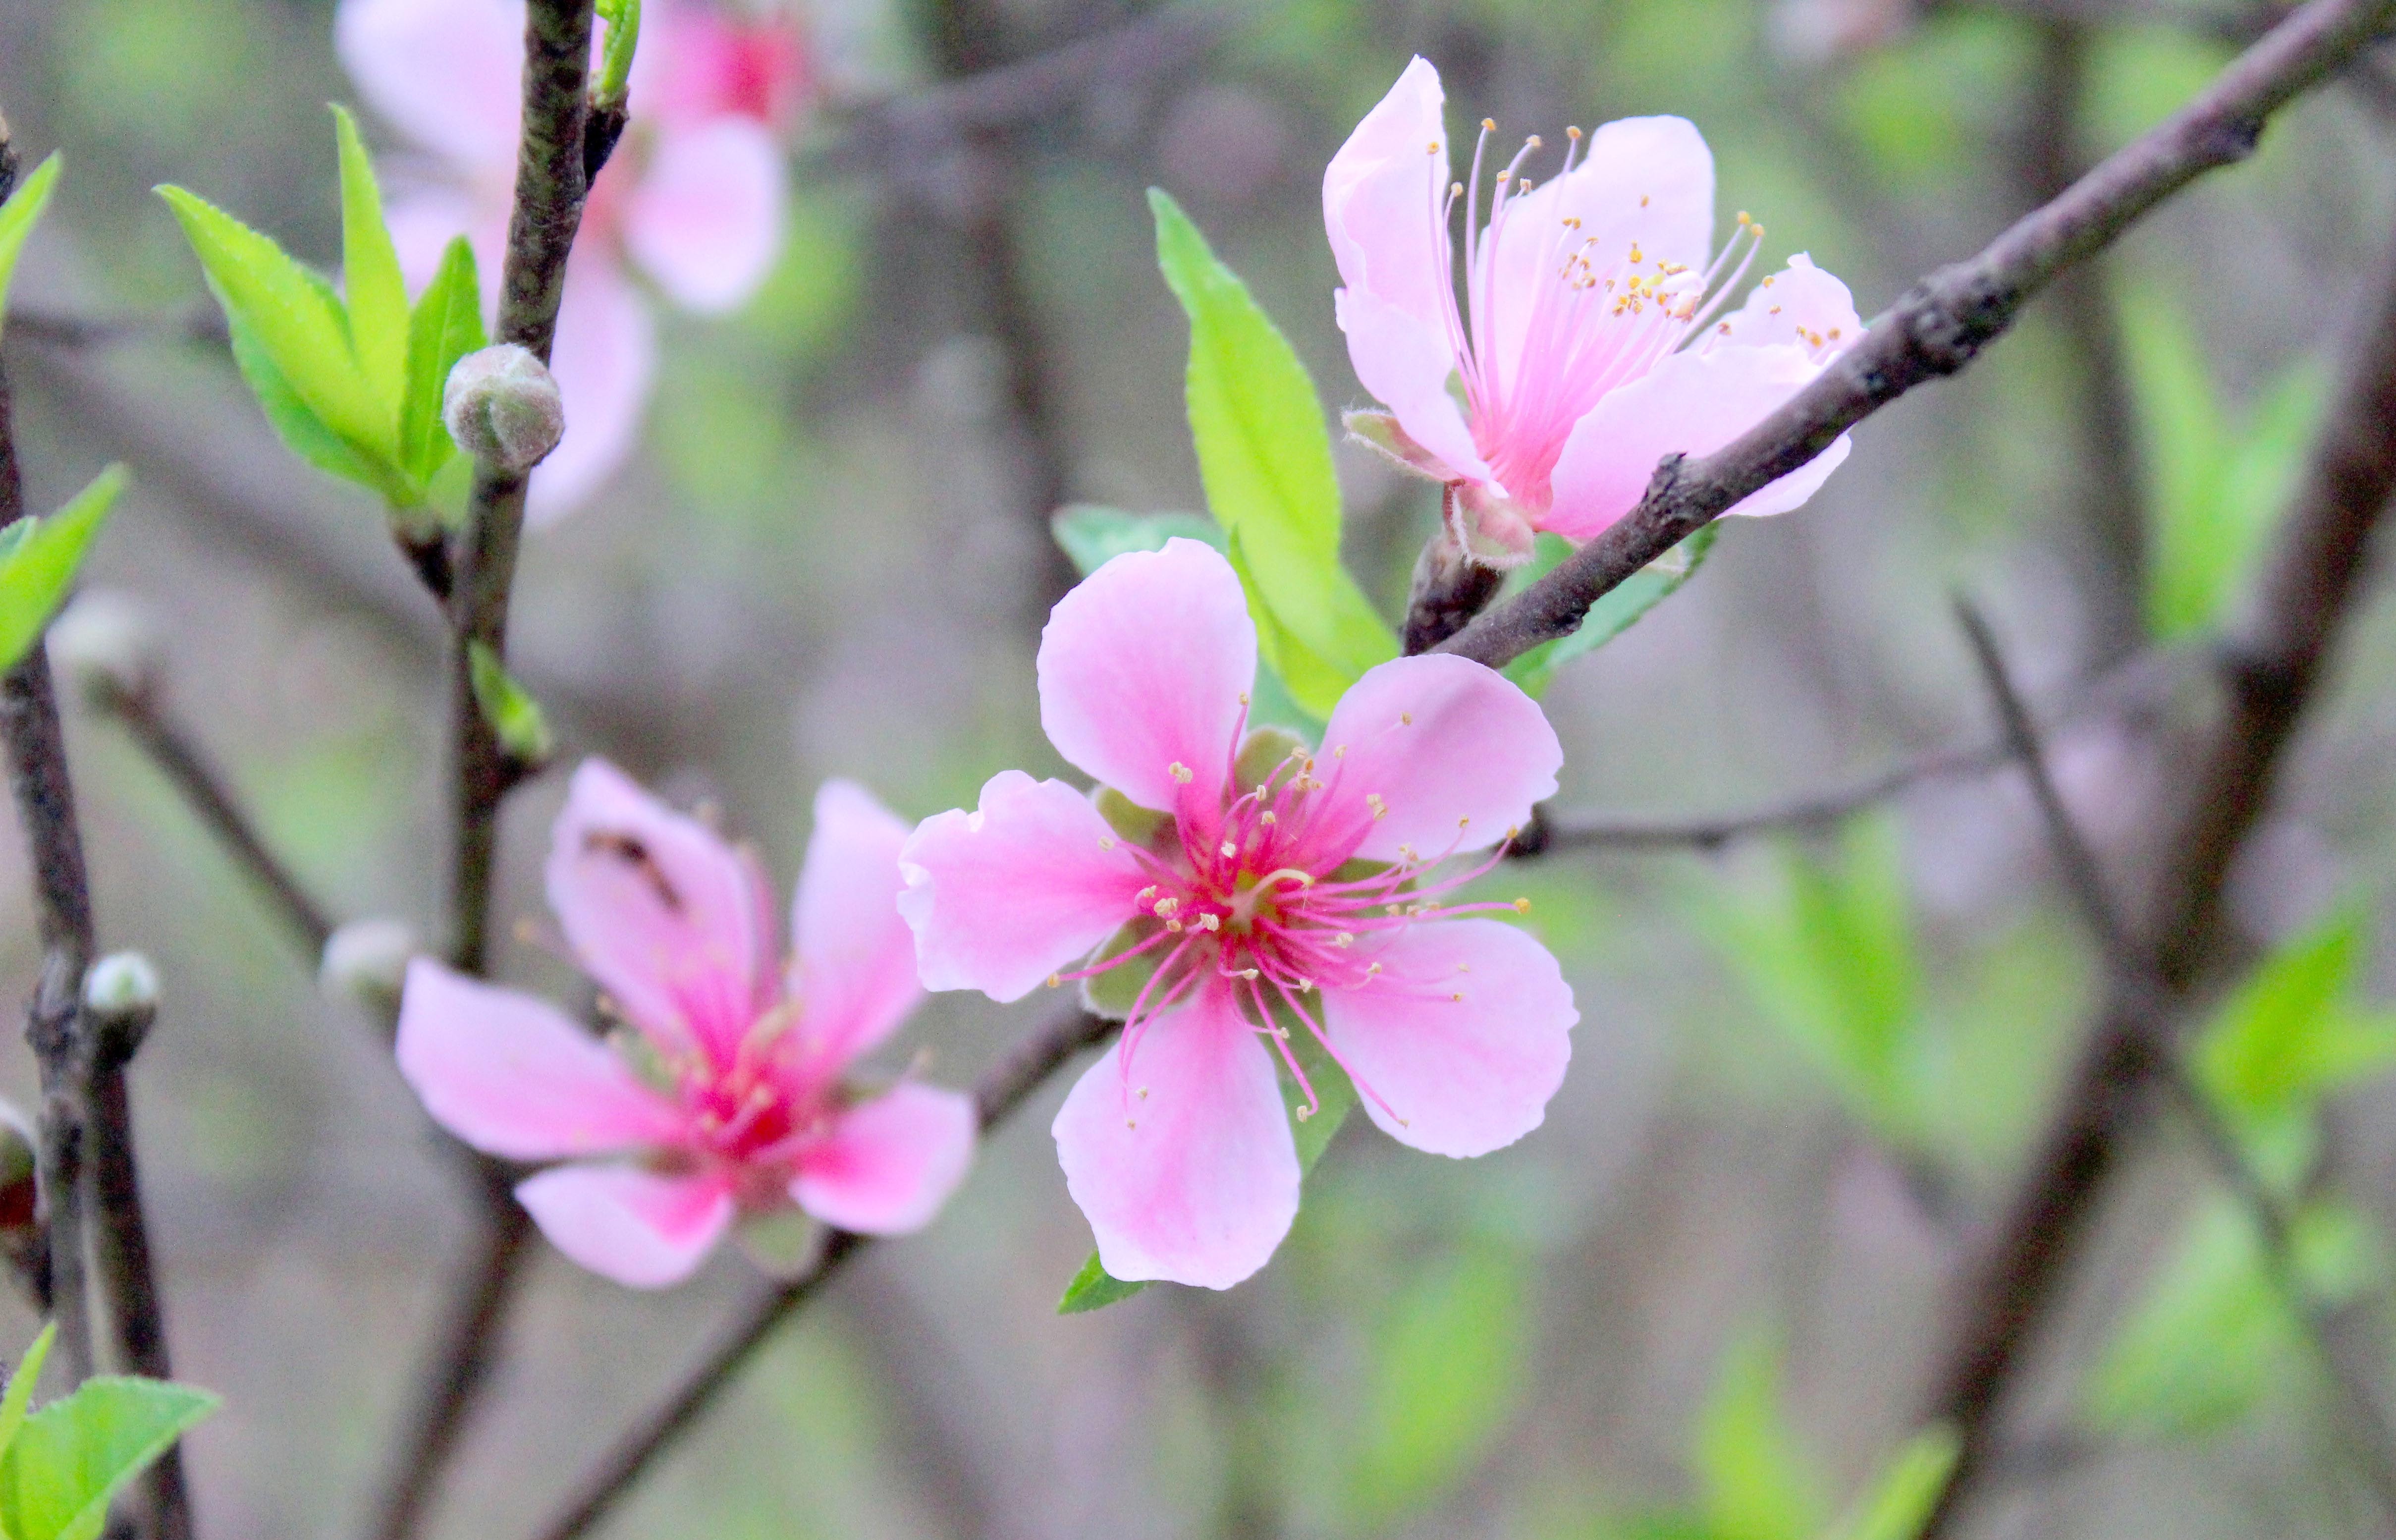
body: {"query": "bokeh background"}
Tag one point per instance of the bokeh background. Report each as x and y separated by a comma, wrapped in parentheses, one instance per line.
(1703, 1299)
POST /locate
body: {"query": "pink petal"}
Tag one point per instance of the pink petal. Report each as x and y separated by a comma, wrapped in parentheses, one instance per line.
(1142, 668)
(1027, 885)
(1382, 196)
(1694, 403)
(605, 358)
(675, 924)
(513, 1077)
(889, 1163)
(696, 63)
(1461, 1076)
(1794, 308)
(1406, 362)
(856, 969)
(423, 220)
(706, 219)
(445, 72)
(1196, 1181)
(643, 1229)
(1455, 752)
(1647, 181)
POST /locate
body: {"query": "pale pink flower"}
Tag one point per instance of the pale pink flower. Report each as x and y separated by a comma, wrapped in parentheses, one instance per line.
(1308, 888)
(728, 1093)
(1588, 343)
(692, 198)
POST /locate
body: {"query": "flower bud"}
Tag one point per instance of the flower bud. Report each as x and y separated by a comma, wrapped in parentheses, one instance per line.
(365, 960)
(501, 406)
(121, 984)
(106, 643)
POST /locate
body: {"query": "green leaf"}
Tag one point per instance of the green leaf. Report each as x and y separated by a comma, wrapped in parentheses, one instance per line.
(1616, 612)
(1753, 1482)
(19, 215)
(623, 19)
(1265, 457)
(447, 325)
(296, 323)
(1448, 1365)
(514, 716)
(20, 1386)
(303, 433)
(1092, 536)
(75, 1453)
(2202, 1349)
(1899, 1503)
(39, 565)
(377, 294)
(1094, 1289)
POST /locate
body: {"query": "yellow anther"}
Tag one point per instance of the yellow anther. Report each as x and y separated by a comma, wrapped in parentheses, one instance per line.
(1106, 841)
(1522, 906)
(1229, 849)
(1345, 938)
(1173, 925)
(1405, 719)
(1643, 200)
(1371, 971)
(1834, 334)
(1488, 125)
(1210, 921)
(1572, 131)
(1178, 771)
(1141, 1093)
(1243, 697)
(1373, 800)
(1269, 820)
(1055, 979)
(1533, 142)
(1457, 996)
(1635, 258)
(1304, 1113)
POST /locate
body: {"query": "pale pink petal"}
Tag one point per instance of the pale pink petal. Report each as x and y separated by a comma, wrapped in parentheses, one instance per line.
(889, 1163)
(1801, 306)
(1027, 884)
(605, 358)
(855, 975)
(447, 74)
(706, 219)
(1186, 1169)
(1456, 754)
(1406, 362)
(1693, 402)
(1646, 182)
(513, 1077)
(700, 62)
(676, 924)
(423, 220)
(1382, 197)
(639, 1228)
(1142, 668)
(1464, 1035)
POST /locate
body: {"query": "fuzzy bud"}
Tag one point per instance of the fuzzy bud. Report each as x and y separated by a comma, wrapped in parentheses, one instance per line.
(366, 960)
(502, 407)
(121, 984)
(106, 643)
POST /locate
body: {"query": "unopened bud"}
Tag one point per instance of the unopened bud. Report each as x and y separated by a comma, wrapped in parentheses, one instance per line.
(106, 641)
(366, 960)
(501, 406)
(121, 984)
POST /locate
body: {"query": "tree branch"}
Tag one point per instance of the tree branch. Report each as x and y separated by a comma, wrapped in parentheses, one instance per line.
(999, 1092)
(1941, 325)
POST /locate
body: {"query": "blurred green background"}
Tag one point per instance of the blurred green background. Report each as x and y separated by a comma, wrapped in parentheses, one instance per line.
(1703, 1299)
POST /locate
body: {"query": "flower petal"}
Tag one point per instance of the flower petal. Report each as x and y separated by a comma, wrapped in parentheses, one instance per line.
(515, 1077)
(1142, 668)
(446, 72)
(1003, 897)
(641, 1229)
(1690, 402)
(423, 220)
(1185, 1166)
(889, 1163)
(675, 924)
(1800, 306)
(1383, 199)
(1406, 362)
(856, 968)
(1464, 1034)
(706, 219)
(605, 358)
(1456, 753)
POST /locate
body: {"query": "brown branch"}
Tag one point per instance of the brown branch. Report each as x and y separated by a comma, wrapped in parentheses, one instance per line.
(2269, 675)
(998, 1093)
(1941, 325)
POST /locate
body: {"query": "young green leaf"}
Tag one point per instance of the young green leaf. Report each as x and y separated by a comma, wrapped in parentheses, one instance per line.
(2202, 1348)
(377, 294)
(303, 433)
(72, 1455)
(1754, 1481)
(39, 565)
(1899, 1503)
(447, 326)
(20, 1386)
(17, 217)
(1092, 536)
(1447, 1367)
(623, 19)
(1265, 457)
(1094, 1289)
(514, 716)
(1616, 612)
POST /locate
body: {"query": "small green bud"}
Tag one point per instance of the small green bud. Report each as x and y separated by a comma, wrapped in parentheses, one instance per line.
(502, 407)
(122, 984)
(105, 642)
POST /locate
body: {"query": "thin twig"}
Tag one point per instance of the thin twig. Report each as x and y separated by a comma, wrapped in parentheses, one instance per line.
(997, 1094)
(58, 329)
(1941, 325)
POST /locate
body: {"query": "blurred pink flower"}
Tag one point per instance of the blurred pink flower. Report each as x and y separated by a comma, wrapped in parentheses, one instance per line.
(728, 1096)
(1306, 889)
(1587, 346)
(692, 197)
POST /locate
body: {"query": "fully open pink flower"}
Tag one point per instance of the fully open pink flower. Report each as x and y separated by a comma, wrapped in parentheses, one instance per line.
(1272, 887)
(728, 1093)
(693, 197)
(1588, 345)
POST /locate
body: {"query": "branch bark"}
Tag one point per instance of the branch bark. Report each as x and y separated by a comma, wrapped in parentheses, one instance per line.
(1941, 325)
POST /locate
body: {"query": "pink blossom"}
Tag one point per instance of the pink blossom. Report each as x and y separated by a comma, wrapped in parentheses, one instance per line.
(692, 198)
(1590, 342)
(1285, 886)
(728, 1093)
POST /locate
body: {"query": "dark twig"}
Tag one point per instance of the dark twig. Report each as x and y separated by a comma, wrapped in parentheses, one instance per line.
(1941, 325)
(997, 1094)
(55, 329)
